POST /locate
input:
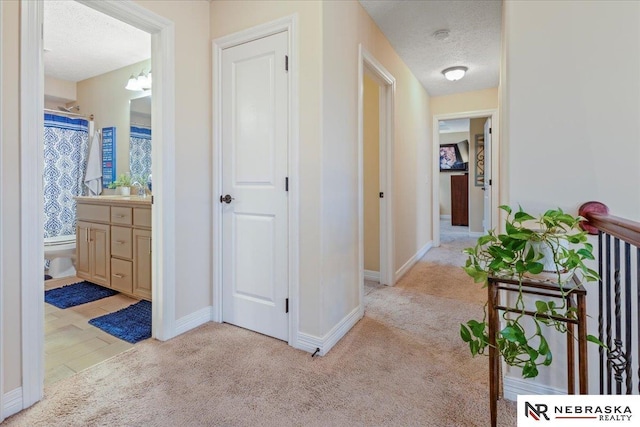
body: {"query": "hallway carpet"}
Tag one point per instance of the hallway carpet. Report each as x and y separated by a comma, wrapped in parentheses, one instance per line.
(403, 364)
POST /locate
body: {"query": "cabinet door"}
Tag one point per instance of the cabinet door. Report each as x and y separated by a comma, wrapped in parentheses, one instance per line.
(83, 268)
(100, 254)
(142, 263)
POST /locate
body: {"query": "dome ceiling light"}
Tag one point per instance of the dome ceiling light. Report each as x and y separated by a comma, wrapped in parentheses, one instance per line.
(454, 73)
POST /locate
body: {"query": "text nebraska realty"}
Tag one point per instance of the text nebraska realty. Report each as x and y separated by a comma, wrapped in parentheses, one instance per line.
(601, 413)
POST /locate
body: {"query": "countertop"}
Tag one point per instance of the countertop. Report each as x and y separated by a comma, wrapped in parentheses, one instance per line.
(115, 199)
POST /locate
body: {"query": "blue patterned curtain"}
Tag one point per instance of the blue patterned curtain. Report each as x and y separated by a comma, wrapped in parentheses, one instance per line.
(140, 152)
(66, 146)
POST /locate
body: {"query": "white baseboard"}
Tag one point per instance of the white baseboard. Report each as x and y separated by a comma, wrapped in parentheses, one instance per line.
(407, 265)
(12, 402)
(310, 343)
(445, 216)
(372, 275)
(194, 320)
(514, 386)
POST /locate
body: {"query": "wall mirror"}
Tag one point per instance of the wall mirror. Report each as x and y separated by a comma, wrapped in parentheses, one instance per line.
(140, 137)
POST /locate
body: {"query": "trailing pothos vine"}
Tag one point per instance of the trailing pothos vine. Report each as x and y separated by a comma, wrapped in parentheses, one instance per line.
(523, 251)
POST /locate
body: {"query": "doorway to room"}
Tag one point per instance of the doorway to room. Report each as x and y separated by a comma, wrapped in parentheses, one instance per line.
(464, 174)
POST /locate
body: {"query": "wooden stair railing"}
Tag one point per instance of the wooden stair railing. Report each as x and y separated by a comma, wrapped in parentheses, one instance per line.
(618, 298)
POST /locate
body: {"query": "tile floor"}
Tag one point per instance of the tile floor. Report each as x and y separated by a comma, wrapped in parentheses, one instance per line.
(71, 344)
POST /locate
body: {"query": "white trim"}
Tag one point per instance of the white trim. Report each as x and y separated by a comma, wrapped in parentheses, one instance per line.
(310, 342)
(512, 387)
(435, 178)
(193, 320)
(387, 113)
(31, 164)
(162, 32)
(412, 261)
(445, 216)
(31, 202)
(372, 275)
(287, 24)
(12, 402)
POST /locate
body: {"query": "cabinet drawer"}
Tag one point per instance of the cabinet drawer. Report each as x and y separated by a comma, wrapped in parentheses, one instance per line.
(121, 242)
(142, 217)
(121, 275)
(120, 215)
(92, 212)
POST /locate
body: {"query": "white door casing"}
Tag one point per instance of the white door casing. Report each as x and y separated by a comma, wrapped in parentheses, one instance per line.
(254, 175)
(486, 220)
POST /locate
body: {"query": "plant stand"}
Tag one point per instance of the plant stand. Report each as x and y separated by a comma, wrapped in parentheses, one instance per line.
(546, 289)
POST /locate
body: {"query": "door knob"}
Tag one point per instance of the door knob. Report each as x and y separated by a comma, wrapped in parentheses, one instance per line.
(226, 199)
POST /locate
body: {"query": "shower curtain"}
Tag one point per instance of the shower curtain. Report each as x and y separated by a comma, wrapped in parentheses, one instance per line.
(66, 146)
(140, 152)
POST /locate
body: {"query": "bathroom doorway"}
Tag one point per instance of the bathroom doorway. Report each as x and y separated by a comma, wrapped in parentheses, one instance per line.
(31, 125)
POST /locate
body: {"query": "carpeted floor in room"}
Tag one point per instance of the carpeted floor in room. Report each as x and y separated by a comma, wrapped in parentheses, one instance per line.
(403, 364)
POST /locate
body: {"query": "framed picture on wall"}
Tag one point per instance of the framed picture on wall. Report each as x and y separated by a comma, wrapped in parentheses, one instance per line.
(452, 157)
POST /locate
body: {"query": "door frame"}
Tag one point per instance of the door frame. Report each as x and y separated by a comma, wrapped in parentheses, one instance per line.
(287, 24)
(1, 234)
(387, 82)
(495, 155)
(31, 163)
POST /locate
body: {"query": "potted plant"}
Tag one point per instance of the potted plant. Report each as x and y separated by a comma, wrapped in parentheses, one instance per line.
(529, 246)
(123, 182)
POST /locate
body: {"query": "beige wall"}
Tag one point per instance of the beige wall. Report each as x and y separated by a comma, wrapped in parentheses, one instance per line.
(371, 166)
(105, 97)
(445, 177)
(462, 102)
(10, 217)
(476, 195)
(570, 108)
(345, 25)
(58, 92)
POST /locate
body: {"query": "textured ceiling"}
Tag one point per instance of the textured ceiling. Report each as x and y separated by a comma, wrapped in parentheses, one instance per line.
(80, 42)
(474, 39)
(454, 125)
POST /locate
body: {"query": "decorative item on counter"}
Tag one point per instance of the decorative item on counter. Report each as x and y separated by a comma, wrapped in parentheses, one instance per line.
(123, 183)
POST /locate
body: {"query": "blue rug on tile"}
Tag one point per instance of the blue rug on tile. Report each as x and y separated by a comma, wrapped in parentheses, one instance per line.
(76, 294)
(131, 324)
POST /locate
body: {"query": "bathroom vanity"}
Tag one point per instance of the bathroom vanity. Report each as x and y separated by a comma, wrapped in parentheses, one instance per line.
(113, 243)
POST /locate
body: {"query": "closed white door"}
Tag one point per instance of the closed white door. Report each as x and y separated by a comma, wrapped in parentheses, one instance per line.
(254, 184)
(487, 176)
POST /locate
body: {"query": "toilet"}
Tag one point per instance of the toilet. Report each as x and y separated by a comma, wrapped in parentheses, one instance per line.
(61, 253)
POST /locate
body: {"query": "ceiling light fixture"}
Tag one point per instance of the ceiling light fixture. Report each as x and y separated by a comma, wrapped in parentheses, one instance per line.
(454, 73)
(142, 82)
(441, 34)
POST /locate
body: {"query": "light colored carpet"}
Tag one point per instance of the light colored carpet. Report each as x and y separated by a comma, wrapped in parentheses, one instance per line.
(403, 364)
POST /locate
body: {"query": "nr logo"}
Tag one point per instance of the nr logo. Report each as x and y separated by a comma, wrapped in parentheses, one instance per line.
(536, 411)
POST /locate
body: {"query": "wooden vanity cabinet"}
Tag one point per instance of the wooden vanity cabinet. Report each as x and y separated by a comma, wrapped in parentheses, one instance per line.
(113, 244)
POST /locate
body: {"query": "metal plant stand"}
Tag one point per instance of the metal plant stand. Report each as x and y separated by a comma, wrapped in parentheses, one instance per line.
(545, 289)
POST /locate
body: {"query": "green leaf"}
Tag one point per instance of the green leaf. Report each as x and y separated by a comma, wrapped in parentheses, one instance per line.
(522, 216)
(586, 254)
(595, 340)
(477, 328)
(544, 346)
(505, 208)
(541, 306)
(513, 334)
(474, 346)
(530, 370)
(464, 333)
(535, 267)
(548, 359)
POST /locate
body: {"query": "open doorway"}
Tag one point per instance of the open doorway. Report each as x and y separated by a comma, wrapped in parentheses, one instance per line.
(31, 129)
(464, 174)
(375, 186)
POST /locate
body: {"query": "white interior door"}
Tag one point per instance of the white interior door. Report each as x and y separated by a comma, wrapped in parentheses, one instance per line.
(486, 222)
(254, 179)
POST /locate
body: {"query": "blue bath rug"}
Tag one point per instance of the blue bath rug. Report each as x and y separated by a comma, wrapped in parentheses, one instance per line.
(76, 294)
(131, 324)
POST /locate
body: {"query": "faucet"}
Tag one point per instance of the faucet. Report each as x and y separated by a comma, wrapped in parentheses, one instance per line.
(141, 191)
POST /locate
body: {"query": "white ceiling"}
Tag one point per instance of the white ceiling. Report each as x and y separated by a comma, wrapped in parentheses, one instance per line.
(473, 42)
(80, 42)
(454, 125)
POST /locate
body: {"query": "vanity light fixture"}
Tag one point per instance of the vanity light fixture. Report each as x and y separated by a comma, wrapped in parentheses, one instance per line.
(454, 73)
(142, 82)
